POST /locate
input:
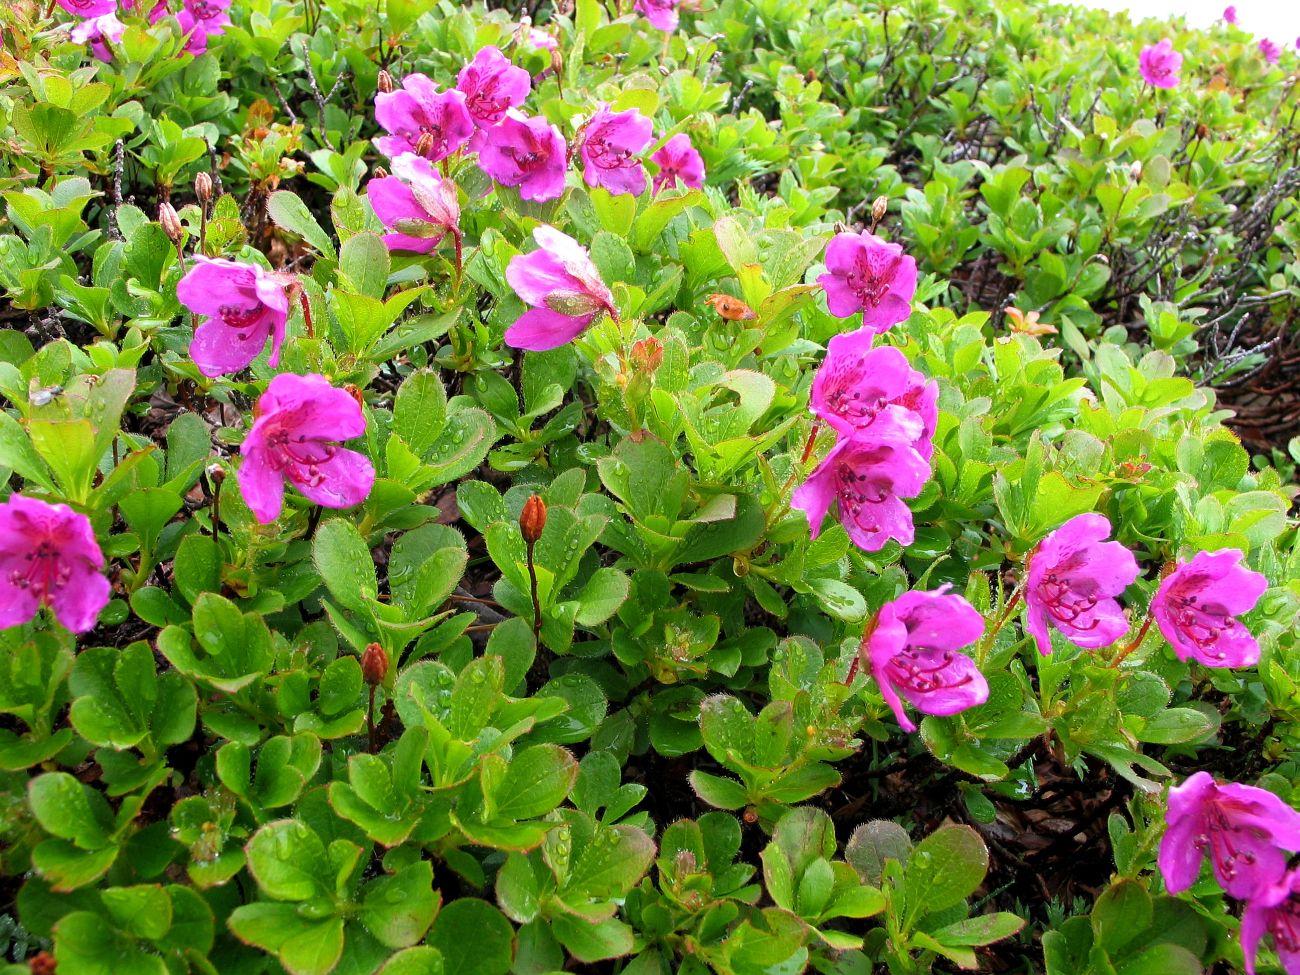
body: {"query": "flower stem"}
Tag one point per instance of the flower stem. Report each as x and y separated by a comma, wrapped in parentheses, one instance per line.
(1137, 642)
(370, 722)
(313, 520)
(306, 313)
(1006, 613)
(782, 500)
(537, 605)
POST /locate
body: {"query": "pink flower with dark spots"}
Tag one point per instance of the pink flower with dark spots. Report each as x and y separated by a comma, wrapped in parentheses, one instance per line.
(199, 20)
(611, 145)
(1246, 831)
(96, 32)
(1197, 605)
(1160, 64)
(866, 274)
(1275, 910)
(492, 86)
(88, 8)
(1230, 14)
(421, 119)
(1074, 576)
(245, 306)
(662, 14)
(416, 204)
(528, 153)
(1270, 51)
(678, 162)
(564, 289)
(856, 386)
(868, 474)
(300, 420)
(913, 653)
(49, 556)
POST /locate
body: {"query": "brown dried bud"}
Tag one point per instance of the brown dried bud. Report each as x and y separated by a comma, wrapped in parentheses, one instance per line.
(353, 390)
(647, 355)
(171, 223)
(1202, 131)
(380, 172)
(532, 520)
(424, 145)
(374, 664)
(750, 815)
(216, 473)
(203, 188)
(384, 83)
(879, 208)
(42, 964)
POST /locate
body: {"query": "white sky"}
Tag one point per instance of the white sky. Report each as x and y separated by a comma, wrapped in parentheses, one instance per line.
(1278, 19)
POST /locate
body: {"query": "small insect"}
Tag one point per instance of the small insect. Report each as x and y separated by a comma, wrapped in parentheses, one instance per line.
(732, 309)
(45, 396)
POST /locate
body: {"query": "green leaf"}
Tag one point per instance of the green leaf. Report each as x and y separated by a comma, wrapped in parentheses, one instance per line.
(287, 859)
(304, 946)
(420, 410)
(1122, 913)
(364, 264)
(288, 212)
(343, 560)
(944, 869)
(62, 806)
(982, 930)
(606, 590)
(144, 911)
(536, 781)
(718, 792)
(473, 937)
(86, 944)
(588, 942)
(398, 909)
(421, 960)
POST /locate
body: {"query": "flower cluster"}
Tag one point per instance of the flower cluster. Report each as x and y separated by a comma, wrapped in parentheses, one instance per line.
(1248, 834)
(49, 557)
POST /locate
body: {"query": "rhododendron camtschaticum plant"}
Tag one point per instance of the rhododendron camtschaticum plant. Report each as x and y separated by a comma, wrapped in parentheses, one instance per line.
(678, 161)
(88, 8)
(869, 275)
(856, 385)
(662, 14)
(492, 86)
(1196, 607)
(1074, 575)
(528, 153)
(49, 556)
(1269, 50)
(1160, 64)
(1246, 831)
(245, 306)
(299, 420)
(417, 204)
(421, 119)
(912, 651)
(563, 287)
(1274, 910)
(97, 31)
(610, 146)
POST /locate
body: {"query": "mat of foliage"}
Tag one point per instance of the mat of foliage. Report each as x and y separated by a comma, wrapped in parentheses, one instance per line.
(739, 487)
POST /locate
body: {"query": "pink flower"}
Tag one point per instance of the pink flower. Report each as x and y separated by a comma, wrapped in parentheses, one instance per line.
(492, 85)
(528, 153)
(858, 385)
(245, 306)
(662, 14)
(418, 205)
(299, 420)
(1196, 607)
(419, 109)
(536, 38)
(678, 161)
(868, 474)
(912, 650)
(1230, 14)
(199, 20)
(89, 8)
(867, 274)
(1073, 577)
(1270, 51)
(49, 556)
(1160, 64)
(1275, 910)
(562, 286)
(610, 147)
(1245, 830)
(96, 31)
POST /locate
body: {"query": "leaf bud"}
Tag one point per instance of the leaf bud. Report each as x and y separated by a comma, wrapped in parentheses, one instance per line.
(532, 520)
(374, 664)
(647, 355)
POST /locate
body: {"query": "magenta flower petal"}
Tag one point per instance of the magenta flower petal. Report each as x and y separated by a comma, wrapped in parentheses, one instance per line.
(492, 86)
(913, 653)
(49, 555)
(856, 385)
(1196, 607)
(1275, 910)
(299, 421)
(96, 31)
(539, 329)
(1230, 14)
(528, 153)
(1160, 64)
(88, 8)
(1073, 577)
(415, 199)
(678, 161)
(419, 110)
(1269, 50)
(612, 144)
(245, 306)
(662, 14)
(869, 275)
(560, 280)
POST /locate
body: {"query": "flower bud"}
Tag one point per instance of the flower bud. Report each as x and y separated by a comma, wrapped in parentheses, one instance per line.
(1135, 170)
(879, 208)
(384, 82)
(424, 145)
(1202, 131)
(374, 664)
(353, 390)
(42, 963)
(203, 188)
(532, 520)
(171, 223)
(380, 172)
(216, 473)
(647, 355)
